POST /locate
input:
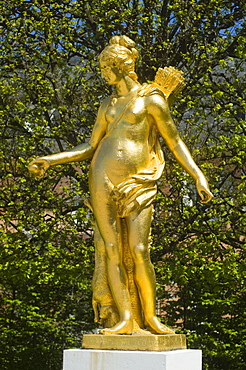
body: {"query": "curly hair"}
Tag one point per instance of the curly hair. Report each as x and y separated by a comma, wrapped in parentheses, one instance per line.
(121, 53)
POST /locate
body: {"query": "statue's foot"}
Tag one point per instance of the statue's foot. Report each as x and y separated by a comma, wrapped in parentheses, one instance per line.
(157, 327)
(123, 327)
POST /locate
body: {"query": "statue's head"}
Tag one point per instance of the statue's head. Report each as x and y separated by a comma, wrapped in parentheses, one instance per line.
(121, 54)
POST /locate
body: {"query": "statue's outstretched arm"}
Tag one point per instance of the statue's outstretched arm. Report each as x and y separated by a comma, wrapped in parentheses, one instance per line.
(160, 113)
(39, 166)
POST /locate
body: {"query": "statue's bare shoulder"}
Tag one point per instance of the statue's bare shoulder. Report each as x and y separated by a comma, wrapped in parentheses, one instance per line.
(158, 109)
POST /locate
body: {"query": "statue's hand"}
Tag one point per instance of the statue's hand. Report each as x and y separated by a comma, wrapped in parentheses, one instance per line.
(38, 167)
(203, 190)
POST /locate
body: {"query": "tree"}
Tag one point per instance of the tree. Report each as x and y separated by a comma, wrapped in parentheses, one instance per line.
(50, 92)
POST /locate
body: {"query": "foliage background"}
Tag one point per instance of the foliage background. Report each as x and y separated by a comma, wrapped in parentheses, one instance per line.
(50, 92)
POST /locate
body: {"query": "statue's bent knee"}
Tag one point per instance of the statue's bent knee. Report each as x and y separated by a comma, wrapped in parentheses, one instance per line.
(140, 253)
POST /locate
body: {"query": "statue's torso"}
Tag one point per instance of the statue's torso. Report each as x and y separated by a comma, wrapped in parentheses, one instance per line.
(124, 150)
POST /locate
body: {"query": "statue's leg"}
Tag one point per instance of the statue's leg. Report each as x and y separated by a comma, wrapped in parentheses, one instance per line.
(109, 225)
(138, 225)
(102, 301)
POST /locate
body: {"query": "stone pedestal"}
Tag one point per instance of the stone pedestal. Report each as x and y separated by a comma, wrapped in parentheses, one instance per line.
(91, 359)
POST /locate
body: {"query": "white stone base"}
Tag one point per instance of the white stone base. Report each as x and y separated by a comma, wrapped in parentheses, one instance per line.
(93, 359)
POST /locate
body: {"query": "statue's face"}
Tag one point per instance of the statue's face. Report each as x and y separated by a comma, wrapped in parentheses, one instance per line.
(111, 74)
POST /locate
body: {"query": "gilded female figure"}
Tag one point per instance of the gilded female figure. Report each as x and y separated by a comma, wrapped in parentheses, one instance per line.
(126, 162)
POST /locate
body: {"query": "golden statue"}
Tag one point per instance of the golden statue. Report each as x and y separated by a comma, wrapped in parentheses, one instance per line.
(126, 162)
